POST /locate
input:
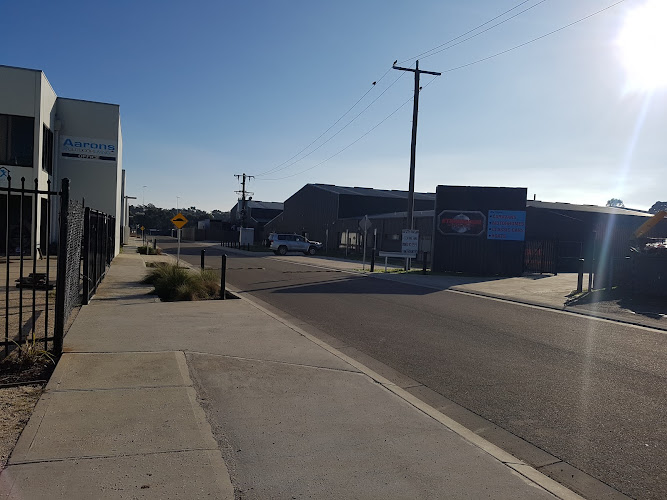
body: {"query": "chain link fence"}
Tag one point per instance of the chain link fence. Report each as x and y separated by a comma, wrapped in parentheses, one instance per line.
(75, 216)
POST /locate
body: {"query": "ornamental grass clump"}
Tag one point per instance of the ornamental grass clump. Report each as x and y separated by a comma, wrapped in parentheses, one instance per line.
(174, 283)
(148, 250)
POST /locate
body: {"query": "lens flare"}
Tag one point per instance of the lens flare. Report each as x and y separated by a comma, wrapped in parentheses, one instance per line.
(642, 45)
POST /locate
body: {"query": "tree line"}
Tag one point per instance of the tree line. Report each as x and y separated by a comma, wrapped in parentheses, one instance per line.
(152, 217)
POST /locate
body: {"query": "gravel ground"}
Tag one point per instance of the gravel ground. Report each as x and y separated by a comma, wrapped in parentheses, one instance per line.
(16, 405)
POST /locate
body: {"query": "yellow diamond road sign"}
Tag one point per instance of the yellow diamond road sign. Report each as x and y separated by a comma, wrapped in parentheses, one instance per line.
(179, 220)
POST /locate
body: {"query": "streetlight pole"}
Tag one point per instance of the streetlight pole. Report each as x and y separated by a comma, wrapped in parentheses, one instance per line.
(143, 195)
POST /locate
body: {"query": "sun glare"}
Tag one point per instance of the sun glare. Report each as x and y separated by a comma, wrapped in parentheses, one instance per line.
(643, 46)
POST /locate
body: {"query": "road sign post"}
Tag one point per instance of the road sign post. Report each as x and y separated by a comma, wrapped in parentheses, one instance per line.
(179, 221)
(410, 245)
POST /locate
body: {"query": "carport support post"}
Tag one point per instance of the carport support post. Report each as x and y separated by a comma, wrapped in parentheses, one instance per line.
(223, 272)
(580, 276)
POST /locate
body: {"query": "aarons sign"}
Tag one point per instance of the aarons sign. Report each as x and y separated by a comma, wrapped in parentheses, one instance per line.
(461, 223)
(85, 148)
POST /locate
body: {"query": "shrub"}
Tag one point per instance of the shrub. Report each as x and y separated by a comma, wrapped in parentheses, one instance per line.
(173, 283)
(149, 250)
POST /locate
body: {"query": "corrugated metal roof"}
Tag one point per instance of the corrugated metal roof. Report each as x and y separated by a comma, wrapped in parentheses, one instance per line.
(548, 205)
(545, 205)
(364, 191)
(271, 205)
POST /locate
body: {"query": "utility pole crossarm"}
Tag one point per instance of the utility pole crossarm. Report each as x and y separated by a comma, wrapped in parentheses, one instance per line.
(415, 70)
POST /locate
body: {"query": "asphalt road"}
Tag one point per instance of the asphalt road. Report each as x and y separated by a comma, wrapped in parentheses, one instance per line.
(589, 392)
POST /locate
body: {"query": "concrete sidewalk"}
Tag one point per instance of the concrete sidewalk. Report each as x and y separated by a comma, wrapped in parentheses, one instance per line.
(205, 399)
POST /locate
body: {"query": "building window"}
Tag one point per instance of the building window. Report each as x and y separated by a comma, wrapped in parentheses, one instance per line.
(47, 150)
(17, 138)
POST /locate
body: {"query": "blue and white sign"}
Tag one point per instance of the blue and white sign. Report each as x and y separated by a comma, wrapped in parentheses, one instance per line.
(507, 225)
(85, 148)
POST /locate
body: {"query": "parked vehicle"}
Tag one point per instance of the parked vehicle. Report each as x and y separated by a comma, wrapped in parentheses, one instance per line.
(283, 243)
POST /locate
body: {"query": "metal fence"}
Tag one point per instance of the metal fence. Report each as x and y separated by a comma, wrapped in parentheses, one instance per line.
(98, 249)
(29, 306)
(541, 256)
(36, 261)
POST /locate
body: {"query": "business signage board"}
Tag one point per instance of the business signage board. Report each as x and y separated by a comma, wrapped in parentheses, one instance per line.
(410, 242)
(86, 148)
(508, 225)
(461, 223)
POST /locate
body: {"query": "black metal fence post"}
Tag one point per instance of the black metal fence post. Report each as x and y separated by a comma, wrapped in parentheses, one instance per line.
(424, 256)
(34, 261)
(203, 253)
(86, 257)
(59, 331)
(223, 272)
(48, 267)
(373, 261)
(22, 197)
(7, 233)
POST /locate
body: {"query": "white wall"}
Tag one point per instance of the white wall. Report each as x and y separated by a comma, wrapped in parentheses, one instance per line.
(96, 181)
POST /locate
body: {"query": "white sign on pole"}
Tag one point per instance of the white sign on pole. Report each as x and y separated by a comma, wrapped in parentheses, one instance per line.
(410, 242)
(365, 223)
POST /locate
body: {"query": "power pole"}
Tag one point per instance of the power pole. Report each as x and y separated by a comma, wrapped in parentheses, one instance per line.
(243, 193)
(413, 147)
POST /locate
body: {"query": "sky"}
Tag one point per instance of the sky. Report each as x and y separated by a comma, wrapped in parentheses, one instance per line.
(210, 89)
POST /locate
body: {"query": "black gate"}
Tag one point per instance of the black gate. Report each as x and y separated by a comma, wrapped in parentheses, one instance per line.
(99, 241)
(541, 256)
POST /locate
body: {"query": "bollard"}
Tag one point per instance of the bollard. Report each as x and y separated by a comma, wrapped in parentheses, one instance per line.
(580, 276)
(223, 272)
(373, 261)
(203, 253)
(424, 256)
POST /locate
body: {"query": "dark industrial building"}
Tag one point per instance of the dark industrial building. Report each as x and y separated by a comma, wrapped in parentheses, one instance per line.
(479, 230)
(556, 234)
(330, 214)
(257, 215)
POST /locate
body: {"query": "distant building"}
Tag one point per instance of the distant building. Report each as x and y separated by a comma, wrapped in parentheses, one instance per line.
(330, 214)
(49, 138)
(258, 214)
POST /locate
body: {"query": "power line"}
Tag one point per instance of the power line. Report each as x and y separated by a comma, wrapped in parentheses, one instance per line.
(374, 84)
(534, 39)
(276, 169)
(482, 32)
(346, 147)
(423, 54)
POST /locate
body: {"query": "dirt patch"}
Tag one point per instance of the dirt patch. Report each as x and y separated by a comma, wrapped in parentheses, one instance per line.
(16, 405)
(21, 385)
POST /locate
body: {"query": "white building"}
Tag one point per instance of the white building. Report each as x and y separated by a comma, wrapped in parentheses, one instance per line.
(46, 137)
